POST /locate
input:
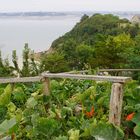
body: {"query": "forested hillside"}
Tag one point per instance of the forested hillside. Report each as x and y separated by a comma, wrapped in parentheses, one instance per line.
(104, 41)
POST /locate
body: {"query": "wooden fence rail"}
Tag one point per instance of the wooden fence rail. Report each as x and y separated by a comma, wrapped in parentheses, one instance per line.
(114, 72)
(20, 80)
(118, 70)
(116, 98)
(88, 77)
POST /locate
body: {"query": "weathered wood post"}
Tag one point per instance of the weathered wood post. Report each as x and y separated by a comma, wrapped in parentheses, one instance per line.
(46, 86)
(116, 101)
(46, 90)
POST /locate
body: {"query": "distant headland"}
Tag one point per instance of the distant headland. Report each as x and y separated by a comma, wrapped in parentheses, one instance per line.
(127, 14)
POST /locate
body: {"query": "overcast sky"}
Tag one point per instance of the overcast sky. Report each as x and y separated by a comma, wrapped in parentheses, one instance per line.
(69, 5)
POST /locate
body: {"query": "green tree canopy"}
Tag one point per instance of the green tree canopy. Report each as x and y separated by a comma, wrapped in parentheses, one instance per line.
(54, 62)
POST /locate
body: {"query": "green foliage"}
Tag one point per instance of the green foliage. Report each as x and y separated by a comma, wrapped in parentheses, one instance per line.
(6, 96)
(47, 127)
(29, 67)
(137, 130)
(3, 111)
(5, 68)
(63, 114)
(31, 103)
(107, 132)
(74, 134)
(15, 61)
(34, 70)
(84, 17)
(26, 69)
(85, 54)
(7, 126)
(54, 63)
(113, 51)
(61, 138)
(131, 106)
(18, 96)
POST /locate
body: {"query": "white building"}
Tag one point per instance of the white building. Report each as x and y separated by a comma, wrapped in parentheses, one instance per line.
(135, 19)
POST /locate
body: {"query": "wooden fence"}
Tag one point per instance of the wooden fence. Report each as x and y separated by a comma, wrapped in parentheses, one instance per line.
(117, 72)
(116, 98)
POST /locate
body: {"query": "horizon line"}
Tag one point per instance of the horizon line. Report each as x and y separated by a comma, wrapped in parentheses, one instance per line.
(67, 11)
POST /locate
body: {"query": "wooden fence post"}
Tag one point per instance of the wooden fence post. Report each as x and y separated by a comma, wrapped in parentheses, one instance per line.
(46, 86)
(116, 101)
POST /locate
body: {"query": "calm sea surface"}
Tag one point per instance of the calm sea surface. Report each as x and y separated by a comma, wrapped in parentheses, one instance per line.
(39, 34)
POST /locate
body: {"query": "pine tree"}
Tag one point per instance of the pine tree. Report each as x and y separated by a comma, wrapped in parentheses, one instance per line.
(15, 61)
(33, 65)
(25, 68)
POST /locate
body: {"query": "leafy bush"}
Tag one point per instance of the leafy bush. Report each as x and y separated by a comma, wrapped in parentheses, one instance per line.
(75, 110)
